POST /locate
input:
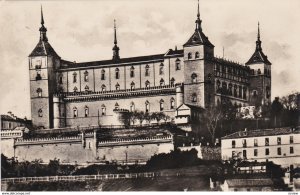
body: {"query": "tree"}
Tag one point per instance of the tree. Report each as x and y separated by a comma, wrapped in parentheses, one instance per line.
(158, 116)
(140, 115)
(212, 117)
(148, 117)
(125, 117)
(276, 110)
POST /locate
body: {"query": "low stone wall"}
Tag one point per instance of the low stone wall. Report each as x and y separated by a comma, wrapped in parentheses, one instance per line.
(85, 150)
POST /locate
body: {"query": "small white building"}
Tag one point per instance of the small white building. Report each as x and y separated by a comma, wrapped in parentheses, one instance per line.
(280, 145)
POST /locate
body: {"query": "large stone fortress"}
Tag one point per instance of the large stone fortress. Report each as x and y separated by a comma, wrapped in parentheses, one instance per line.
(65, 93)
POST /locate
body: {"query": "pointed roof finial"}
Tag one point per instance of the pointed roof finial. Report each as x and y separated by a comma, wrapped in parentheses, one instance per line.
(198, 21)
(42, 17)
(198, 14)
(258, 32)
(115, 29)
(115, 48)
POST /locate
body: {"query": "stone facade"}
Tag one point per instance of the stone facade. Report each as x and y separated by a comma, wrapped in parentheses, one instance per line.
(65, 93)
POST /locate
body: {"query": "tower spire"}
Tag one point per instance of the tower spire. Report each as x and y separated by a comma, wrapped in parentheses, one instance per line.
(258, 42)
(198, 21)
(42, 17)
(115, 48)
(43, 29)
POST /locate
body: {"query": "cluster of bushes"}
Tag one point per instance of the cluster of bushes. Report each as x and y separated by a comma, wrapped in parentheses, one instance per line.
(128, 118)
(11, 168)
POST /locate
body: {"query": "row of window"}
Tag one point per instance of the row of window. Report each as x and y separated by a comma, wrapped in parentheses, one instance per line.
(255, 142)
(132, 107)
(190, 55)
(117, 72)
(232, 90)
(132, 85)
(267, 152)
(231, 70)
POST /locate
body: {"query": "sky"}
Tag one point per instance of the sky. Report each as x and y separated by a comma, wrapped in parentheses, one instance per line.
(83, 31)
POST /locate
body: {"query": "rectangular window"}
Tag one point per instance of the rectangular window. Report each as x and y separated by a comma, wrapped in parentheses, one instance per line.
(255, 152)
(245, 153)
(291, 150)
(278, 140)
(244, 143)
(278, 151)
(233, 154)
(233, 143)
(266, 141)
(255, 142)
(267, 151)
(291, 139)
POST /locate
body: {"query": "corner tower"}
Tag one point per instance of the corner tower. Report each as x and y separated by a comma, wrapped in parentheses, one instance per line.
(43, 61)
(260, 80)
(197, 50)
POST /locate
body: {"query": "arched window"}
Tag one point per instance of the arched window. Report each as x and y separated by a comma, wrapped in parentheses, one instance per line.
(258, 71)
(103, 110)
(268, 94)
(189, 55)
(161, 82)
(224, 87)
(132, 85)
(117, 72)
(116, 106)
(86, 76)
(235, 91)
(172, 103)
(38, 75)
(40, 113)
(132, 72)
(39, 92)
(86, 111)
(117, 86)
(218, 86)
(75, 112)
(75, 89)
(245, 93)
(86, 88)
(197, 55)
(194, 97)
(177, 64)
(240, 91)
(132, 107)
(74, 77)
(230, 88)
(60, 79)
(147, 105)
(172, 82)
(254, 93)
(161, 69)
(161, 105)
(103, 88)
(147, 84)
(147, 71)
(102, 74)
(194, 78)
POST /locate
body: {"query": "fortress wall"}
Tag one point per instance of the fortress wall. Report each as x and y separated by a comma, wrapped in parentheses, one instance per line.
(69, 152)
(141, 152)
(66, 152)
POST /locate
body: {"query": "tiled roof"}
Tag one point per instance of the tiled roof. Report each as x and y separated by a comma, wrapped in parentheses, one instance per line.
(139, 59)
(9, 118)
(249, 182)
(43, 48)
(258, 57)
(262, 132)
(228, 62)
(198, 38)
(174, 52)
